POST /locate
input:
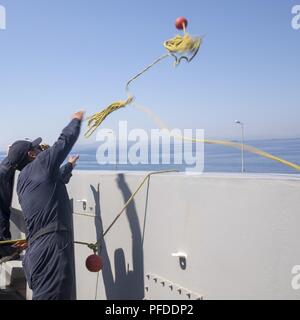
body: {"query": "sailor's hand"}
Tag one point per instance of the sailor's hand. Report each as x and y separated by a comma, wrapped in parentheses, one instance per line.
(73, 160)
(78, 115)
(21, 245)
(44, 146)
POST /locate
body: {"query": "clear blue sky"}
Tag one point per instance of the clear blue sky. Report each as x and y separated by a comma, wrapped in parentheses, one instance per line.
(62, 55)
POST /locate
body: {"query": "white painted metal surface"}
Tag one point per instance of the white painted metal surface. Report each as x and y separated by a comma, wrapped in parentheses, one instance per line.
(233, 236)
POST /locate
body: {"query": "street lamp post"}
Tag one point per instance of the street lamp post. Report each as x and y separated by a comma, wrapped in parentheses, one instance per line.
(243, 143)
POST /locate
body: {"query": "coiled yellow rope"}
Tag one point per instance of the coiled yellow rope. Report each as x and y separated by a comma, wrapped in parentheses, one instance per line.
(95, 121)
(185, 46)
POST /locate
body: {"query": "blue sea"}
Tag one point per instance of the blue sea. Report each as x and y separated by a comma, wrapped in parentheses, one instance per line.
(216, 159)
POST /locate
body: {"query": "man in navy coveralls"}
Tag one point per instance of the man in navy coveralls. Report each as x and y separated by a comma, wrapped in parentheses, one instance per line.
(49, 260)
(7, 176)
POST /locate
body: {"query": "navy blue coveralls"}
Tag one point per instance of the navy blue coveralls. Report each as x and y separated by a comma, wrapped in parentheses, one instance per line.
(7, 176)
(49, 260)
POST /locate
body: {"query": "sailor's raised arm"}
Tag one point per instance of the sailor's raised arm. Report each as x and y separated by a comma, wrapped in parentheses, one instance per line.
(56, 155)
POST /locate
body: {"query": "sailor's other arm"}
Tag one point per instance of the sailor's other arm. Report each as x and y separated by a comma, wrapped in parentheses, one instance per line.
(66, 170)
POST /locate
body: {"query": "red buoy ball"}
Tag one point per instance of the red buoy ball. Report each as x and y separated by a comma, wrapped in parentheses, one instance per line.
(181, 23)
(94, 263)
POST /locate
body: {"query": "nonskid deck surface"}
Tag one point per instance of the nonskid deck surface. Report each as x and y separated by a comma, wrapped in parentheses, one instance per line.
(10, 294)
(12, 280)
